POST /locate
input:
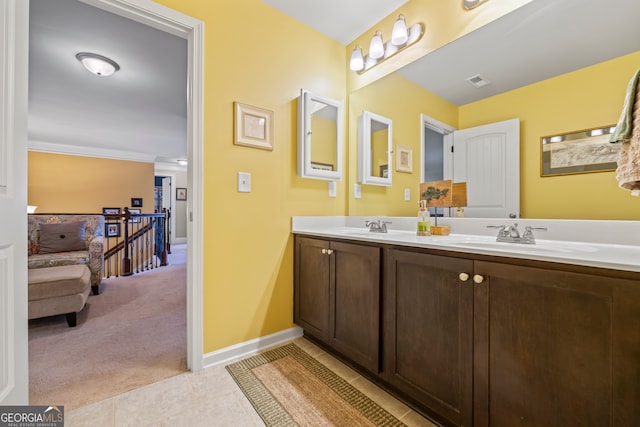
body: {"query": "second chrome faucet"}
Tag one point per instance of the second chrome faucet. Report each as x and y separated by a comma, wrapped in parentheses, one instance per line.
(378, 226)
(510, 234)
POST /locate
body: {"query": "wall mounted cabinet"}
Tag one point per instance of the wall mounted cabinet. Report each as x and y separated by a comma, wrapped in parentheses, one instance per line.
(375, 142)
(320, 136)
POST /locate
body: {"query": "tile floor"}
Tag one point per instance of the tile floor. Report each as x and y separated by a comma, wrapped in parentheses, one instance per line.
(212, 398)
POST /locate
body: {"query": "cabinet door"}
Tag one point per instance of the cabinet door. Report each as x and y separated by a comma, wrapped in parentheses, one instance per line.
(427, 339)
(311, 286)
(355, 303)
(555, 348)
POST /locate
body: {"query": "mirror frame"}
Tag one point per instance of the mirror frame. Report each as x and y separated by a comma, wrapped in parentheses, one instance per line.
(365, 174)
(304, 137)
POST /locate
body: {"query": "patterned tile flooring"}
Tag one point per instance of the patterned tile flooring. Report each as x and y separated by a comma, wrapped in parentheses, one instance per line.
(211, 398)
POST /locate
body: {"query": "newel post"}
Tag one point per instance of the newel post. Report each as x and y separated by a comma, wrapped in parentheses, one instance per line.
(126, 260)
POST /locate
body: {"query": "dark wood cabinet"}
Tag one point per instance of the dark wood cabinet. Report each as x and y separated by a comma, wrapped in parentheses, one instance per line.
(555, 348)
(428, 332)
(475, 340)
(311, 287)
(337, 297)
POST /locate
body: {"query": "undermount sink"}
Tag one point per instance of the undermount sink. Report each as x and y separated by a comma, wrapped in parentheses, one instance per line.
(546, 247)
(366, 232)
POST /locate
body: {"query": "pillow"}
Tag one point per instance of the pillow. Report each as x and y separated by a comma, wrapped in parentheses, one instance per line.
(63, 237)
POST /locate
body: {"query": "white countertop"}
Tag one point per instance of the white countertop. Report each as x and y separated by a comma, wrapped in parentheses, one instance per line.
(603, 244)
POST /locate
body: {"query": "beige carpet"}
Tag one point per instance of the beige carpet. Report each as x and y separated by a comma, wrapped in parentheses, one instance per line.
(287, 387)
(131, 335)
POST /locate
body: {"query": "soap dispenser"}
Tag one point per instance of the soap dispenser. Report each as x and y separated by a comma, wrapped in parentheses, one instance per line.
(424, 219)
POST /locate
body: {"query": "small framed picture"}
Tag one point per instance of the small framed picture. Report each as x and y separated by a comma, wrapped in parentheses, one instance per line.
(136, 202)
(253, 126)
(111, 211)
(321, 166)
(135, 219)
(404, 159)
(181, 194)
(112, 229)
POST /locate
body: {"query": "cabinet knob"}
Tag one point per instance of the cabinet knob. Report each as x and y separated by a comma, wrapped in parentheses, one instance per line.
(329, 251)
(478, 278)
(463, 276)
(324, 251)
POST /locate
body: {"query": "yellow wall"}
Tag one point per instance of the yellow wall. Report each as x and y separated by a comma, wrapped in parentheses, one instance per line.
(60, 183)
(403, 102)
(583, 99)
(261, 57)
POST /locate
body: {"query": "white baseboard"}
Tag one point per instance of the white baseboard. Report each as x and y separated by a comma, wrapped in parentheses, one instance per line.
(249, 348)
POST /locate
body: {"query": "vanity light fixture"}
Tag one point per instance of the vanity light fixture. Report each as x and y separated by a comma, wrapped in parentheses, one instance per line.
(470, 4)
(401, 38)
(97, 64)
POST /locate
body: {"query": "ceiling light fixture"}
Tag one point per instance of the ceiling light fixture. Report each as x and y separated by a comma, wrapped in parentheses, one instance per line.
(401, 38)
(97, 64)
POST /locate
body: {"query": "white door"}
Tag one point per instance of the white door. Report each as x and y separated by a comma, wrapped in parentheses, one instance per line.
(487, 158)
(14, 373)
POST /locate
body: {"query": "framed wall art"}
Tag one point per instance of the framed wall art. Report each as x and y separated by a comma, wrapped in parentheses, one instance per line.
(112, 229)
(583, 151)
(181, 194)
(404, 159)
(111, 211)
(253, 126)
(136, 218)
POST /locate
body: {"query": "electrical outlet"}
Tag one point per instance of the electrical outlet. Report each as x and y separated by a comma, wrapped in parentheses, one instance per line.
(407, 194)
(244, 182)
(357, 191)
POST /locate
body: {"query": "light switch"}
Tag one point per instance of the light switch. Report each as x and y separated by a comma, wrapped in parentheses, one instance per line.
(407, 194)
(244, 182)
(357, 191)
(332, 189)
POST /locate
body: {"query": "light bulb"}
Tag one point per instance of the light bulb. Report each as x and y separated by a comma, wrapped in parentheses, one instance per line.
(357, 62)
(399, 35)
(376, 49)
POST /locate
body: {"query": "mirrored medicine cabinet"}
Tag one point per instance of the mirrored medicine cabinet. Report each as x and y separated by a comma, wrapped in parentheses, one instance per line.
(320, 135)
(374, 149)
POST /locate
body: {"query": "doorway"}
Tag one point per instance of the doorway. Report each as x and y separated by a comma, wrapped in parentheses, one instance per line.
(14, 345)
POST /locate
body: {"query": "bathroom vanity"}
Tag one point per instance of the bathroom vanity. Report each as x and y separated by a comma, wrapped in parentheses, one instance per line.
(475, 333)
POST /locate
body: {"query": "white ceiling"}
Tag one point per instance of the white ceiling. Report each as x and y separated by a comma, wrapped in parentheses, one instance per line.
(141, 110)
(342, 20)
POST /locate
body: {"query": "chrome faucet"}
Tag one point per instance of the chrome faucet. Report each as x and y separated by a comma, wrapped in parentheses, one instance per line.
(377, 226)
(511, 234)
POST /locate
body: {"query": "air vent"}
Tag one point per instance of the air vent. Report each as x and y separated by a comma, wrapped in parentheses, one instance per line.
(478, 81)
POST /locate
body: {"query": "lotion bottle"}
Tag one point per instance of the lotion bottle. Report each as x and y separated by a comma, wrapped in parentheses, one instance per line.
(424, 219)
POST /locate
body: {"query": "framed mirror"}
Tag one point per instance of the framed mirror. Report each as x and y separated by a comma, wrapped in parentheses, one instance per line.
(374, 149)
(320, 135)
